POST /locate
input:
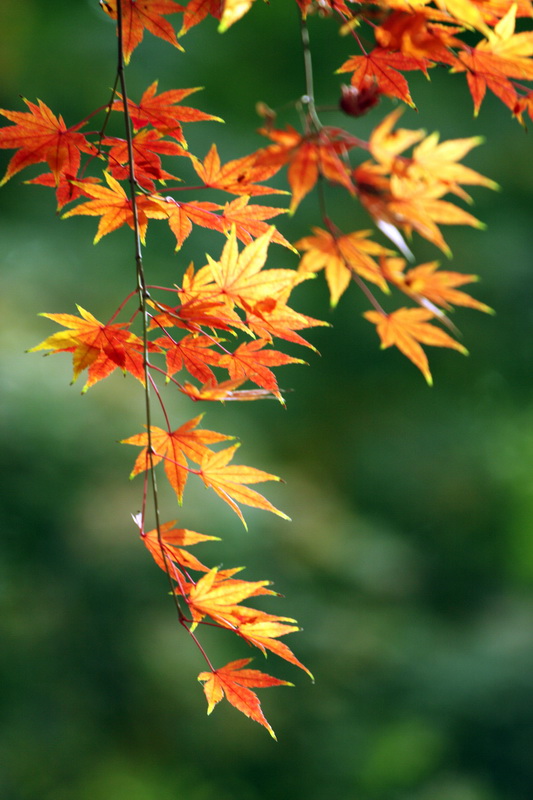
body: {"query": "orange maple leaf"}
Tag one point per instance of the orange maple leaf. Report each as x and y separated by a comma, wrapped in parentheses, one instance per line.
(166, 547)
(228, 480)
(239, 176)
(193, 353)
(234, 682)
(197, 10)
(220, 392)
(138, 15)
(146, 145)
(181, 217)
(249, 220)
(341, 257)
(502, 55)
(115, 208)
(38, 135)
(269, 317)
(309, 156)
(262, 631)
(251, 361)
(409, 205)
(240, 277)
(382, 65)
(427, 282)
(405, 328)
(218, 596)
(174, 447)
(163, 111)
(100, 348)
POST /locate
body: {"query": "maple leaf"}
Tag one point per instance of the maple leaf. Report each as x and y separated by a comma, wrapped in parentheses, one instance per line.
(95, 346)
(427, 282)
(251, 362)
(197, 10)
(233, 10)
(228, 480)
(239, 176)
(218, 596)
(38, 135)
(233, 682)
(269, 317)
(262, 631)
(115, 208)
(240, 276)
(68, 188)
(309, 156)
(174, 447)
(382, 65)
(192, 353)
(181, 217)
(503, 55)
(341, 257)
(409, 206)
(163, 111)
(138, 15)
(405, 328)
(249, 220)
(146, 145)
(414, 35)
(166, 546)
(220, 392)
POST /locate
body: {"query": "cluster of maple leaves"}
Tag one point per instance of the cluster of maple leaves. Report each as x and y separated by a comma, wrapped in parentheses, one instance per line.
(218, 326)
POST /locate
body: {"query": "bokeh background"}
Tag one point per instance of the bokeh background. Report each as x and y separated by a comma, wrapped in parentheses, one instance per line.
(409, 562)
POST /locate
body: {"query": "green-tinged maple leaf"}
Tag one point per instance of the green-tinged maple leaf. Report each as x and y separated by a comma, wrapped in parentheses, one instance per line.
(233, 682)
(38, 135)
(232, 11)
(406, 328)
(95, 346)
(228, 481)
(141, 15)
(174, 447)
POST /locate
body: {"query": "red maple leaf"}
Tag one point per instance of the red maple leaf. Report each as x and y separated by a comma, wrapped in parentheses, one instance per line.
(163, 111)
(309, 156)
(233, 682)
(138, 15)
(38, 135)
(174, 447)
(95, 346)
(382, 66)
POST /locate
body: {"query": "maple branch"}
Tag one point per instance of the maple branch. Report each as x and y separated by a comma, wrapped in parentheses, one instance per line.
(143, 294)
(309, 97)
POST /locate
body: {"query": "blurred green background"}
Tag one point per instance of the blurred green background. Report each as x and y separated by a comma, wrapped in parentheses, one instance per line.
(409, 562)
